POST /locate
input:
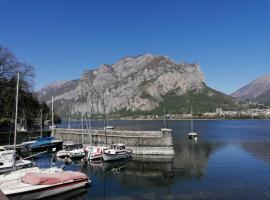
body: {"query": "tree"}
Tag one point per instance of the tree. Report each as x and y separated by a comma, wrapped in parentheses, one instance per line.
(29, 106)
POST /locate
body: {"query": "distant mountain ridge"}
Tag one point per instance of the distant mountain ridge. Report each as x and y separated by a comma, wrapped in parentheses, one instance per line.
(141, 84)
(257, 91)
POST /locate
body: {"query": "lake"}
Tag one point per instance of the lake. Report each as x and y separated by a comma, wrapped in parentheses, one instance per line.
(230, 160)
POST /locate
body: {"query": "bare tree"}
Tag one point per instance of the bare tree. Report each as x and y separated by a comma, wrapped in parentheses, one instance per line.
(10, 66)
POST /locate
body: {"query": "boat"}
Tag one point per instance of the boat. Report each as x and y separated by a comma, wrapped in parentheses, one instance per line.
(42, 144)
(192, 134)
(95, 152)
(165, 123)
(116, 152)
(36, 183)
(77, 153)
(3, 196)
(109, 127)
(8, 160)
(62, 153)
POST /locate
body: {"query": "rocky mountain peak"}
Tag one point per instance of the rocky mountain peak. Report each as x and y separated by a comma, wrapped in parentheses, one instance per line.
(254, 89)
(132, 83)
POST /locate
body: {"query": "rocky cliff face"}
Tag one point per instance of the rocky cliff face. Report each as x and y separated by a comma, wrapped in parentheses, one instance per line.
(132, 83)
(257, 90)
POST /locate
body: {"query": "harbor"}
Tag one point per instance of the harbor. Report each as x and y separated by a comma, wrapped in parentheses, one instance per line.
(155, 143)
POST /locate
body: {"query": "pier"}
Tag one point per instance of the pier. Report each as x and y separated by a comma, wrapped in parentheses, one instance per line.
(142, 143)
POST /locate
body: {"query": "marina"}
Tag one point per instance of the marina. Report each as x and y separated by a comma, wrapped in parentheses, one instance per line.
(197, 170)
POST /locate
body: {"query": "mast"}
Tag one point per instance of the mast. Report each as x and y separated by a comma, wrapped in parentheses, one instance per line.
(52, 119)
(41, 123)
(191, 121)
(16, 117)
(82, 128)
(69, 116)
(164, 118)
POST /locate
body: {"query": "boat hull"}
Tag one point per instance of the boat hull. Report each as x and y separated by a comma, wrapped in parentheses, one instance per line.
(117, 156)
(44, 191)
(49, 147)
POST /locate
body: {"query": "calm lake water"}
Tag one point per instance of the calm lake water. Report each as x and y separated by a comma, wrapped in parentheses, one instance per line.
(230, 160)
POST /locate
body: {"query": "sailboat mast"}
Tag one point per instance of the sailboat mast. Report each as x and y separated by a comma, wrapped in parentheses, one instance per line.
(16, 117)
(191, 120)
(41, 124)
(69, 116)
(164, 118)
(82, 128)
(52, 119)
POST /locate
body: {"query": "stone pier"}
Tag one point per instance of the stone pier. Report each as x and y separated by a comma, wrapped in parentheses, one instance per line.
(155, 143)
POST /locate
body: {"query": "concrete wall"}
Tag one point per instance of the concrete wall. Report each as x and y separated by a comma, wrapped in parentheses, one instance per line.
(141, 142)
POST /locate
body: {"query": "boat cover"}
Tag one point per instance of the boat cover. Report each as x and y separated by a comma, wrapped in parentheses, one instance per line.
(41, 141)
(37, 178)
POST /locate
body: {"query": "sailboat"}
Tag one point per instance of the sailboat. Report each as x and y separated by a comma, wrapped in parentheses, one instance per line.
(95, 152)
(73, 153)
(44, 143)
(8, 160)
(107, 126)
(192, 134)
(165, 123)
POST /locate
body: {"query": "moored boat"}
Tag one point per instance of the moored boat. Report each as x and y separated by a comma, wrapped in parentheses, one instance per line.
(116, 152)
(95, 152)
(35, 183)
(42, 144)
(7, 162)
(193, 135)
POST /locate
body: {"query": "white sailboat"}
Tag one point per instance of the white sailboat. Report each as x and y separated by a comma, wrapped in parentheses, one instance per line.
(73, 153)
(8, 160)
(94, 152)
(192, 134)
(165, 123)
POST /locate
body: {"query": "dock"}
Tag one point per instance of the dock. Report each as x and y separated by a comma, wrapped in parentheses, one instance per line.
(155, 143)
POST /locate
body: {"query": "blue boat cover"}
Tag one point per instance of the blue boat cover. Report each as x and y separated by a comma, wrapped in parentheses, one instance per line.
(41, 141)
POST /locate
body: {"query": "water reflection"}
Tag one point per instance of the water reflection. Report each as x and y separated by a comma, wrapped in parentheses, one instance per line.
(258, 149)
(229, 161)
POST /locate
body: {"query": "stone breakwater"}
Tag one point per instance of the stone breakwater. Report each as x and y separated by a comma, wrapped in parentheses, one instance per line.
(155, 143)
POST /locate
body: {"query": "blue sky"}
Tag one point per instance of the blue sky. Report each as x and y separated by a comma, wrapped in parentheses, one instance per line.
(230, 39)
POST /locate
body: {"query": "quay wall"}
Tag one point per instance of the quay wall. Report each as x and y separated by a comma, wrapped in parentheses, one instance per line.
(141, 142)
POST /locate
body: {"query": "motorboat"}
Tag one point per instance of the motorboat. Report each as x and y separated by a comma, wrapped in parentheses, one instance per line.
(62, 153)
(77, 153)
(71, 153)
(95, 152)
(36, 183)
(7, 163)
(116, 152)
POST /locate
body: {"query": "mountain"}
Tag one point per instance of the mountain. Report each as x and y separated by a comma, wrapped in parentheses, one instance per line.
(257, 91)
(137, 85)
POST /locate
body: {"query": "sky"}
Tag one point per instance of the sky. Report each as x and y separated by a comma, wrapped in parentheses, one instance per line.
(229, 39)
